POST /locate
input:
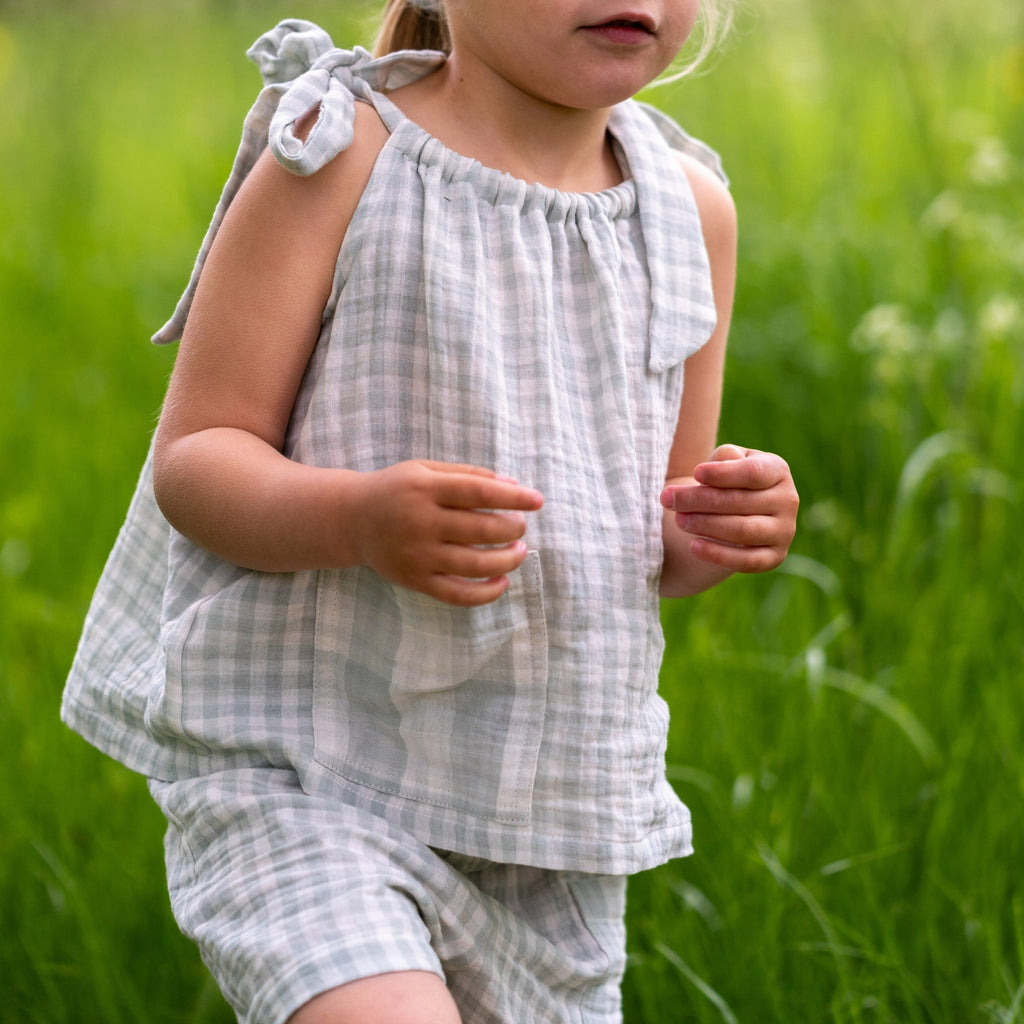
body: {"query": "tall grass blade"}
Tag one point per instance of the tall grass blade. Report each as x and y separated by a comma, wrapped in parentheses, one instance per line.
(925, 461)
(832, 943)
(698, 982)
(881, 700)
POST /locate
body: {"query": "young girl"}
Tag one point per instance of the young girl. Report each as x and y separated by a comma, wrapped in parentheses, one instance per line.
(381, 627)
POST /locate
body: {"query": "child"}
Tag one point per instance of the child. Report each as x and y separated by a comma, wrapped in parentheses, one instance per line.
(381, 627)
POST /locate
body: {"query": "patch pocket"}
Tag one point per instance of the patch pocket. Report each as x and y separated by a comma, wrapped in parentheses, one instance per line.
(430, 702)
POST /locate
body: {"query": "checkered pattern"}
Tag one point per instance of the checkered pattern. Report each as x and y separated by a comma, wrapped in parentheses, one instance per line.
(289, 895)
(475, 318)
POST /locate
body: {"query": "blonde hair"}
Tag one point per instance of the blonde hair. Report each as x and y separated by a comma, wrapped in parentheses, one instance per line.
(412, 25)
(714, 21)
(420, 25)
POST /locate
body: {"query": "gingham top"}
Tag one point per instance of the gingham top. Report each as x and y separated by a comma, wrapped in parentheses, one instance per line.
(476, 319)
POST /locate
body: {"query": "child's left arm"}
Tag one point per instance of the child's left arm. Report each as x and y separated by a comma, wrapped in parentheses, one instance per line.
(727, 509)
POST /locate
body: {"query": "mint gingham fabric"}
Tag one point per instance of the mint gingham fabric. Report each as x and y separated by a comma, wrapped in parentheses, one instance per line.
(475, 318)
(288, 895)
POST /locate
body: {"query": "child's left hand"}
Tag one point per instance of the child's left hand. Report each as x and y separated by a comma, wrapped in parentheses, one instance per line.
(741, 509)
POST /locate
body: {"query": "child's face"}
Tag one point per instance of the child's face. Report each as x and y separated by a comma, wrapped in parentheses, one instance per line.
(585, 54)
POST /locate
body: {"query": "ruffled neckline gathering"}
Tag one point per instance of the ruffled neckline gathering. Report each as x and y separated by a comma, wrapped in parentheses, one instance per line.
(499, 188)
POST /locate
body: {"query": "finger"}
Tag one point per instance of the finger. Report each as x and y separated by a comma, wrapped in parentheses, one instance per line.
(465, 467)
(467, 593)
(755, 471)
(468, 584)
(461, 481)
(460, 467)
(480, 563)
(738, 531)
(738, 558)
(729, 452)
(700, 498)
(469, 491)
(471, 527)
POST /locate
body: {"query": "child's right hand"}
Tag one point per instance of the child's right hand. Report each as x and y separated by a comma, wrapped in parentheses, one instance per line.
(450, 531)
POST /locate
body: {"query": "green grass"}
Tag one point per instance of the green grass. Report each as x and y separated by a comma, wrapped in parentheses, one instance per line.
(849, 732)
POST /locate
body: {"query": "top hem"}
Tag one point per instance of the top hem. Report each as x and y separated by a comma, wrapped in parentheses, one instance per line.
(462, 834)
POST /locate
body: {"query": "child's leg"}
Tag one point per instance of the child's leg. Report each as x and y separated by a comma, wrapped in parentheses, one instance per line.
(406, 997)
(308, 911)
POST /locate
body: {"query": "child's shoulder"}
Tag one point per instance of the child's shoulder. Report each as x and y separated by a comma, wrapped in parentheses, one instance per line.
(713, 198)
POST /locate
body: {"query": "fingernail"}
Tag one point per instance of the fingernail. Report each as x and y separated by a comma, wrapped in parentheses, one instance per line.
(666, 498)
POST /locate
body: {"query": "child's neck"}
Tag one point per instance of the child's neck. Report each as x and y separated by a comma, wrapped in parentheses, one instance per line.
(487, 118)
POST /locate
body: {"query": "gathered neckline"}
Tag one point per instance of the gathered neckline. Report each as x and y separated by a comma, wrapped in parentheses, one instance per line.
(500, 188)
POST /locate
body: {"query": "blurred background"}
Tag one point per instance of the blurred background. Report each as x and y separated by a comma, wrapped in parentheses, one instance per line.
(849, 731)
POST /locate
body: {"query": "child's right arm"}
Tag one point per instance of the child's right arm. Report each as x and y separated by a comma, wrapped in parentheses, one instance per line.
(219, 475)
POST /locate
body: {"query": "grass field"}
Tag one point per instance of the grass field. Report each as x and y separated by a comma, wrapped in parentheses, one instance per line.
(849, 731)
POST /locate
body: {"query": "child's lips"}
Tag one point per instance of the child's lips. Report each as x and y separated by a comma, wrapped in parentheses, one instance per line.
(624, 29)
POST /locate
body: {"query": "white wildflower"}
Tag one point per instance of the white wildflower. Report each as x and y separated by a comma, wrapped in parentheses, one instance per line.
(945, 211)
(886, 329)
(1000, 315)
(990, 163)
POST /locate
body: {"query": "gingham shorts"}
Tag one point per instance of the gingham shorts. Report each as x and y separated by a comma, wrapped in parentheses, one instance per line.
(289, 895)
